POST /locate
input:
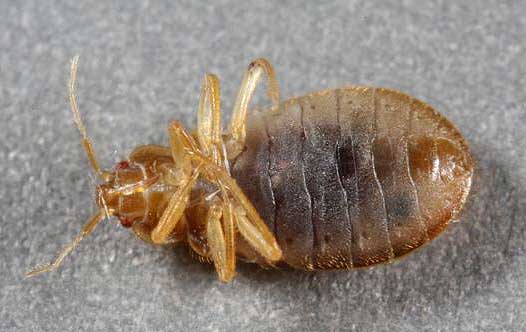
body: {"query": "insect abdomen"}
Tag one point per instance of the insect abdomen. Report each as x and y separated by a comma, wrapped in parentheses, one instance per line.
(353, 177)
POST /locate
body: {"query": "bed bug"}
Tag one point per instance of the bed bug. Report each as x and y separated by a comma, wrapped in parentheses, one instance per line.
(336, 179)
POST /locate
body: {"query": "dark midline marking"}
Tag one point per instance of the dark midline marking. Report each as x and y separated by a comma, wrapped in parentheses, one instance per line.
(380, 188)
(315, 241)
(356, 182)
(338, 168)
(409, 127)
(269, 154)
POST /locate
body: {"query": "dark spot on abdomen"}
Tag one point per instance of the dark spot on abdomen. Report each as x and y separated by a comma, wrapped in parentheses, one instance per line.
(400, 206)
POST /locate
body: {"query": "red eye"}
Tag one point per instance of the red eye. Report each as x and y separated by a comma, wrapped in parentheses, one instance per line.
(122, 165)
(126, 222)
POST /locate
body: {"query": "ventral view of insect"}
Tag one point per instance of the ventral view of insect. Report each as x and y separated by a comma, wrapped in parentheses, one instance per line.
(336, 179)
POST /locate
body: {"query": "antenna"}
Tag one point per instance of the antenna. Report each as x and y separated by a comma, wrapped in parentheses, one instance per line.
(88, 147)
(86, 142)
(86, 230)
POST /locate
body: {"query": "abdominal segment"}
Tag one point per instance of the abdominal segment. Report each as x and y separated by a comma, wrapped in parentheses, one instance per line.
(353, 177)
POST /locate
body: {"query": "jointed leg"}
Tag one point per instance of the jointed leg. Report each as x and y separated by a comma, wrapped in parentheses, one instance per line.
(220, 220)
(229, 235)
(250, 224)
(246, 217)
(209, 120)
(264, 244)
(248, 86)
(181, 146)
(175, 209)
(216, 242)
(225, 214)
(144, 231)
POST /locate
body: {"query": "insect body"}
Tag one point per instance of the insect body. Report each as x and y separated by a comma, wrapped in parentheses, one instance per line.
(353, 177)
(335, 179)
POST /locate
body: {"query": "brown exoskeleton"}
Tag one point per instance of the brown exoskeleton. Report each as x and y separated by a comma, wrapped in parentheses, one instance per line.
(150, 191)
(336, 179)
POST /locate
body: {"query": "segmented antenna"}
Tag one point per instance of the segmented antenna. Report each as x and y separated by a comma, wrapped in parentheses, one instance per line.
(86, 142)
(88, 147)
(86, 230)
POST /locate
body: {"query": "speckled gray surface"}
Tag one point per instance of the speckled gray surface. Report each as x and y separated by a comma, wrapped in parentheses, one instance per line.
(141, 66)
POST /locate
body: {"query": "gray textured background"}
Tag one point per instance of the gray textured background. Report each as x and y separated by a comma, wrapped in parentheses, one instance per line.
(141, 66)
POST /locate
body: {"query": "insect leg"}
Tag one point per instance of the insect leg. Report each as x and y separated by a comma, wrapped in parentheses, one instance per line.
(229, 234)
(175, 209)
(220, 239)
(209, 120)
(86, 230)
(220, 249)
(181, 146)
(248, 86)
(142, 231)
(247, 219)
(261, 240)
